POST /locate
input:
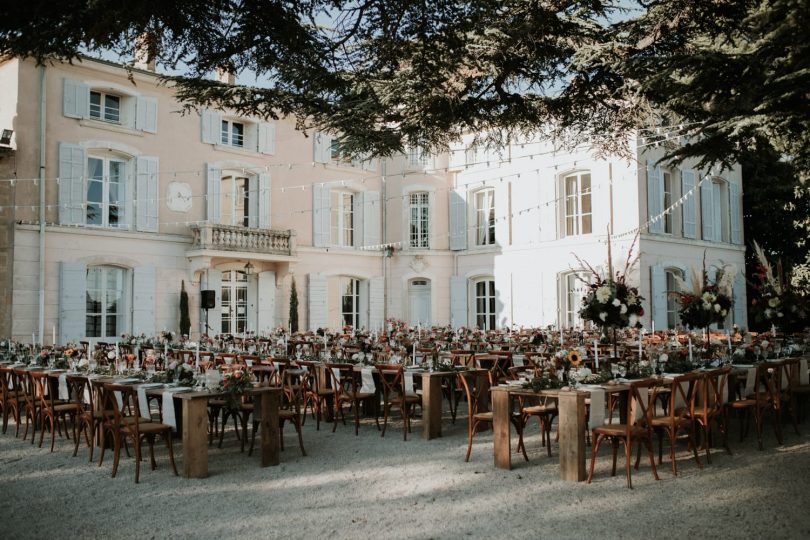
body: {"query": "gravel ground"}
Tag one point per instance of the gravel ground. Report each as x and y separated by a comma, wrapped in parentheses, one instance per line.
(368, 486)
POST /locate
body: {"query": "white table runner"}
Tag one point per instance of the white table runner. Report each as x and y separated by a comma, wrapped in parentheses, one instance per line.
(168, 405)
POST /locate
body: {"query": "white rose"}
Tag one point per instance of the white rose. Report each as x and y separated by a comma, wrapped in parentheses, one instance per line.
(773, 302)
(707, 306)
(707, 297)
(717, 308)
(617, 302)
(603, 316)
(633, 319)
(663, 358)
(111, 355)
(623, 309)
(603, 294)
(724, 312)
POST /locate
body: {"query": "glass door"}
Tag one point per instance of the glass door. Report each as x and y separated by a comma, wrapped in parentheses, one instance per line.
(234, 302)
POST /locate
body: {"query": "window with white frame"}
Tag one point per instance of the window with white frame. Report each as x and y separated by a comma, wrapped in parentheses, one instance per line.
(578, 214)
(417, 157)
(485, 217)
(350, 302)
(106, 191)
(667, 185)
(485, 303)
(672, 275)
(232, 133)
(419, 219)
(574, 289)
(104, 308)
(235, 201)
(342, 218)
(104, 106)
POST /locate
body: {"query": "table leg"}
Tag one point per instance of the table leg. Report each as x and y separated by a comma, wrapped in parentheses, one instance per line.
(501, 409)
(195, 438)
(431, 406)
(572, 436)
(268, 401)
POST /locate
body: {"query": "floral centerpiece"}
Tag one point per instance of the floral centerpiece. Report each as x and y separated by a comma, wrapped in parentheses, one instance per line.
(706, 303)
(780, 301)
(234, 385)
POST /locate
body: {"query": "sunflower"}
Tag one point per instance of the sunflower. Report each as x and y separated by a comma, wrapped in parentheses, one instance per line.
(574, 357)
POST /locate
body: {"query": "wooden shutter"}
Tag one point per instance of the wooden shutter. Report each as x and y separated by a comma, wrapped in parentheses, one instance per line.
(707, 211)
(72, 301)
(320, 215)
(211, 126)
(371, 218)
(265, 201)
(376, 303)
(267, 138)
(458, 222)
(214, 283)
(267, 301)
(75, 99)
(72, 166)
(143, 300)
(316, 301)
(147, 195)
(689, 207)
(655, 199)
(214, 184)
(458, 301)
(735, 208)
(146, 114)
(658, 295)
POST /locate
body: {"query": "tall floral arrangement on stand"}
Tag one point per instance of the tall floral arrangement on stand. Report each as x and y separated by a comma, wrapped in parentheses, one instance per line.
(778, 301)
(703, 303)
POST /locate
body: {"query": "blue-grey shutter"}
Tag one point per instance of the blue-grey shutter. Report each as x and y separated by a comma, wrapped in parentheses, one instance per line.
(146, 114)
(502, 217)
(72, 301)
(320, 215)
(267, 138)
(214, 184)
(740, 304)
(358, 237)
(316, 301)
(211, 126)
(735, 208)
(689, 207)
(321, 147)
(75, 99)
(658, 296)
(458, 222)
(253, 202)
(214, 283)
(376, 303)
(267, 302)
(72, 167)
(143, 300)
(371, 218)
(264, 200)
(147, 196)
(655, 199)
(458, 301)
(707, 210)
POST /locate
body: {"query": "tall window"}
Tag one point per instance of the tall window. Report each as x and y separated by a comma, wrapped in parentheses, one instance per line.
(342, 219)
(577, 203)
(672, 299)
(234, 302)
(105, 191)
(104, 308)
(105, 107)
(667, 181)
(417, 157)
(235, 201)
(350, 302)
(485, 304)
(485, 217)
(575, 287)
(233, 133)
(419, 219)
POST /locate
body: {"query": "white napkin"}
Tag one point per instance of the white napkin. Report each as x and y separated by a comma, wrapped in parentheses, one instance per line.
(750, 381)
(143, 401)
(518, 360)
(64, 393)
(409, 383)
(367, 379)
(804, 375)
(167, 409)
(596, 417)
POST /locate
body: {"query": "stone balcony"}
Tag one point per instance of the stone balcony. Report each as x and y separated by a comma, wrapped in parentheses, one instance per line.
(210, 237)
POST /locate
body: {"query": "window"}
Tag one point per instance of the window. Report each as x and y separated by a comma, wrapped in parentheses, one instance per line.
(485, 217)
(350, 302)
(417, 157)
(673, 320)
(105, 107)
(342, 219)
(577, 204)
(667, 181)
(419, 219)
(485, 304)
(575, 287)
(235, 202)
(233, 134)
(104, 311)
(234, 301)
(105, 191)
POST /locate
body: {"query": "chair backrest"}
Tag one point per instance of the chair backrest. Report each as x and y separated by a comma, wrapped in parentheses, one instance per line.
(392, 378)
(788, 376)
(311, 378)
(712, 394)
(294, 386)
(684, 390)
(23, 385)
(79, 389)
(40, 384)
(342, 377)
(640, 404)
(266, 375)
(126, 408)
(478, 400)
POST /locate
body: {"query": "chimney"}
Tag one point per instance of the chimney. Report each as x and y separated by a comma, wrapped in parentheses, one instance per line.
(225, 75)
(145, 51)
